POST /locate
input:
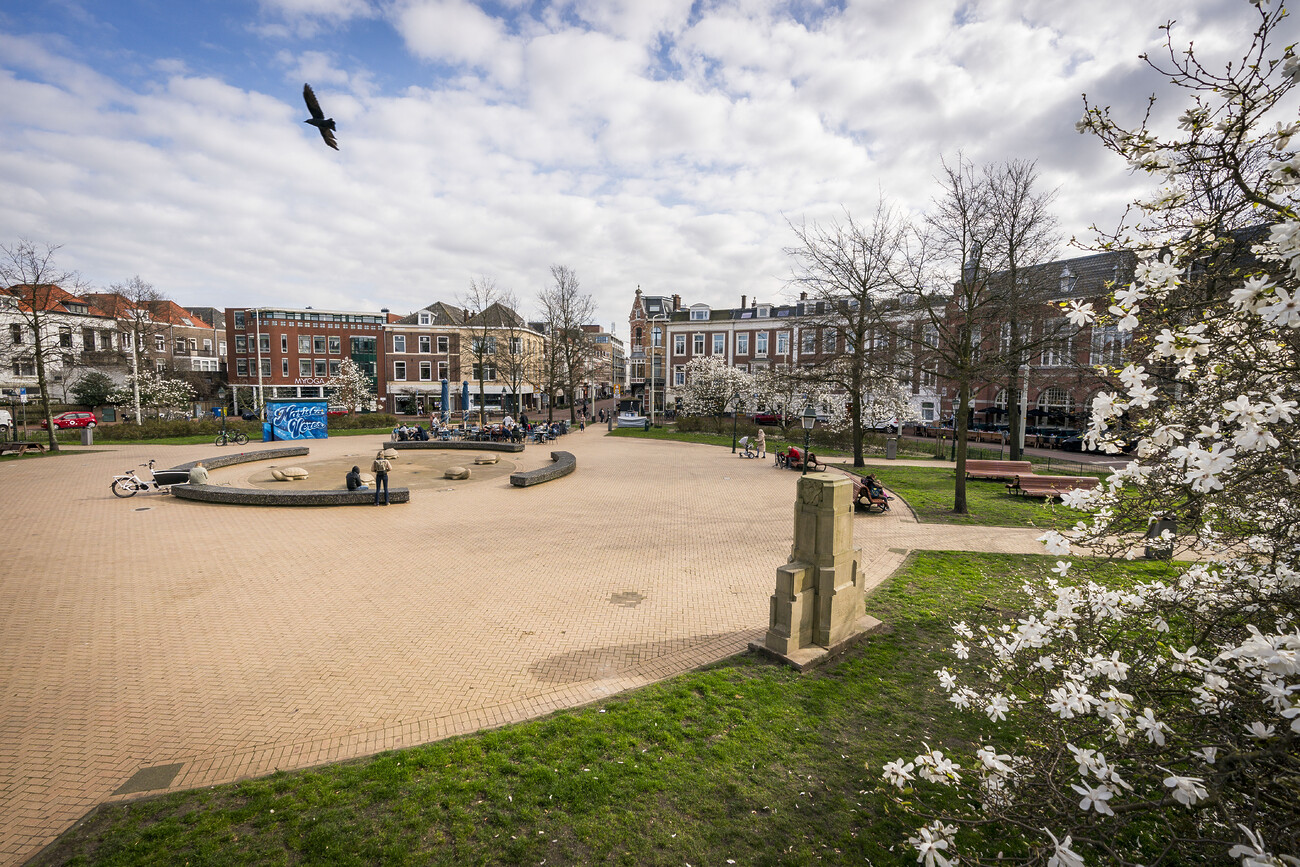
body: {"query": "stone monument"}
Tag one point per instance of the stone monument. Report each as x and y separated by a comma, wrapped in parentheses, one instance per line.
(816, 611)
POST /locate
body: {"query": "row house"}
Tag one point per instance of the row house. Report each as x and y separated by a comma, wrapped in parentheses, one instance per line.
(608, 366)
(290, 353)
(494, 354)
(646, 356)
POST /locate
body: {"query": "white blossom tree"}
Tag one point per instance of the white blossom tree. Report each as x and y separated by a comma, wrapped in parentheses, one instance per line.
(1160, 723)
(350, 386)
(712, 387)
(154, 391)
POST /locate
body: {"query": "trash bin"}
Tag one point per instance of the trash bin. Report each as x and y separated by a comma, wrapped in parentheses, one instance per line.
(87, 436)
(891, 449)
(1157, 548)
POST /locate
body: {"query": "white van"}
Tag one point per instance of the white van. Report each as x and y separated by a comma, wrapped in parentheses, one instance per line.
(6, 421)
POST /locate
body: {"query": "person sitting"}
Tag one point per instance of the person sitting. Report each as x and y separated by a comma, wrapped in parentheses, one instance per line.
(198, 474)
(354, 480)
(873, 494)
(813, 463)
(421, 434)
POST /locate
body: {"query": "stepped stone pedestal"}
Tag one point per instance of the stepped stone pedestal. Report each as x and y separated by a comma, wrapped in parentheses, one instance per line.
(816, 612)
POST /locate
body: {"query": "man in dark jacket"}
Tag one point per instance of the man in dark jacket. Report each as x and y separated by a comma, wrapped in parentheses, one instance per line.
(354, 480)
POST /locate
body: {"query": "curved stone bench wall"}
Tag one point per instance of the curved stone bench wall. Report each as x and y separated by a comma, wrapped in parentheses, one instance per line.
(464, 445)
(565, 463)
(265, 497)
(229, 460)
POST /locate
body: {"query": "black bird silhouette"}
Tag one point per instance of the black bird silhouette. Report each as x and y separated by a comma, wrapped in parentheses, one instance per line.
(318, 118)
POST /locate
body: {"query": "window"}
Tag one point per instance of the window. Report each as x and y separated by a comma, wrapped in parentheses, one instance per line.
(426, 371)
(426, 343)
(443, 343)
(207, 346)
(160, 343)
(266, 366)
(264, 341)
(241, 367)
(742, 344)
(239, 320)
(222, 350)
(284, 367)
(106, 340)
(699, 314)
(304, 367)
(284, 343)
(160, 366)
(25, 367)
(320, 366)
(679, 344)
(762, 312)
(679, 375)
(516, 346)
(126, 340)
(334, 366)
(425, 317)
(399, 342)
(782, 342)
(485, 372)
(831, 341)
(399, 370)
(241, 343)
(699, 344)
(930, 336)
(656, 336)
(719, 344)
(1109, 345)
(88, 339)
(809, 336)
(760, 343)
(336, 344)
(1056, 403)
(16, 334)
(443, 370)
(1060, 350)
(180, 346)
(318, 344)
(304, 344)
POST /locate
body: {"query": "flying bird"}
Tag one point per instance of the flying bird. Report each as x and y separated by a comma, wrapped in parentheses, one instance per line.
(318, 118)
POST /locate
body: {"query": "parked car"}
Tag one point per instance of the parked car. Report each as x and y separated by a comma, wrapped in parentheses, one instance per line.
(768, 418)
(249, 415)
(73, 419)
(6, 421)
(336, 410)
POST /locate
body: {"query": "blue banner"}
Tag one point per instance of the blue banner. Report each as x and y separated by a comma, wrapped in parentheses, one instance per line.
(297, 420)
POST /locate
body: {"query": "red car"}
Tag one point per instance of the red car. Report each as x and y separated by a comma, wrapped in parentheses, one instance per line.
(769, 418)
(74, 419)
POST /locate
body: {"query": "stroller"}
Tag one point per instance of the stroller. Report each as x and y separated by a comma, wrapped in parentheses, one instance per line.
(750, 451)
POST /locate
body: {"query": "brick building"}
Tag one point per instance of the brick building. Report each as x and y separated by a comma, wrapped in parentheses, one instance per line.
(277, 352)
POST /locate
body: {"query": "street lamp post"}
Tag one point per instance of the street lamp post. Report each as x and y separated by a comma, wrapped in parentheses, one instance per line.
(808, 420)
(653, 347)
(1023, 370)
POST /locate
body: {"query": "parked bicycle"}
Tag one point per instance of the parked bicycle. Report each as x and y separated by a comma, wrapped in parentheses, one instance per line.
(129, 484)
(237, 437)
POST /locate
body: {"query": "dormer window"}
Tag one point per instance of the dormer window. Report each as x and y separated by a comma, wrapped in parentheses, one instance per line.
(1068, 279)
(425, 318)
(699, 314)
(763, 312)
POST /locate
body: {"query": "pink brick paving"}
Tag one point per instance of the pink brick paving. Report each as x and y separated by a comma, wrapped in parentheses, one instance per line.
(239, 641)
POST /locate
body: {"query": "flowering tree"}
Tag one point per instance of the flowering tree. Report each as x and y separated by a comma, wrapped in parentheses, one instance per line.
(711, 387)
(350, 387)
(155, 392)
(1160, 722)
(883, 400)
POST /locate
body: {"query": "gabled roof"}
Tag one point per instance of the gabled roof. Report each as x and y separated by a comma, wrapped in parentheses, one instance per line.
(497, 316)
(162, 312)
(444, 314)
(47, 297)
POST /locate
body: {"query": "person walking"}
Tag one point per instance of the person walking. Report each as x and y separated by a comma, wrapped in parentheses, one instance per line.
(760, 443)
(380, 468)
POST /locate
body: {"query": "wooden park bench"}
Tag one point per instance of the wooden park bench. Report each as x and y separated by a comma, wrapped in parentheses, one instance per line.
(19, 448)
(1048, 487)
(862, 495)
(998, 469)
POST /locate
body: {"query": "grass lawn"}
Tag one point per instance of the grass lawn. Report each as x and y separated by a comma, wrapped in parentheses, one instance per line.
(774, 441)
(929, 492)
(744, 760)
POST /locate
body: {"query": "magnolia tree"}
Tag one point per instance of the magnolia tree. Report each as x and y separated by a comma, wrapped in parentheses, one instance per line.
(156, 392)
(350, 387)
(788, 392)
(884, 402)
(712, 386)
(1160, 723)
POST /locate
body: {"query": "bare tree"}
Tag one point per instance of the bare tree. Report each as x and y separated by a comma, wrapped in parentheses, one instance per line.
(133, 305)
(850, 270)
(515, 352)
(38, 288)
(565, 310)
(478, 301)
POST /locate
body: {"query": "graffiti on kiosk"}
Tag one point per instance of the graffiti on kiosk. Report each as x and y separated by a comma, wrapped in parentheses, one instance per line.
(298, 421)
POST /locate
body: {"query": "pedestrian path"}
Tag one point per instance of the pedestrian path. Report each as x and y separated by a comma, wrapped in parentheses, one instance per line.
(212, 643)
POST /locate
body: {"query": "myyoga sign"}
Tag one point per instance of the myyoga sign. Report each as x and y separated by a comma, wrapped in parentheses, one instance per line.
(297, 420)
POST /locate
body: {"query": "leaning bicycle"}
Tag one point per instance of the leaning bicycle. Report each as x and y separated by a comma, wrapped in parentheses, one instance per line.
(237, 437)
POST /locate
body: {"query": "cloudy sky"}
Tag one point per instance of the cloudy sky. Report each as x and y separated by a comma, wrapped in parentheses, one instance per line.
(660, 143)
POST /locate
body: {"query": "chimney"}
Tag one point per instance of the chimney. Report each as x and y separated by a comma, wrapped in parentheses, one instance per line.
(754, 303)
(677, 302)
(742, 302)
(803, 296)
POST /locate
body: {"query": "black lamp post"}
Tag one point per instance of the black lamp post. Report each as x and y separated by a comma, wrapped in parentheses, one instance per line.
(808, 420)
(735, 416)
(221, 396)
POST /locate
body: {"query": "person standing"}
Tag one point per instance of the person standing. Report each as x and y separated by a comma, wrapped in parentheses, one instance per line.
(761, 443)
(380, 468)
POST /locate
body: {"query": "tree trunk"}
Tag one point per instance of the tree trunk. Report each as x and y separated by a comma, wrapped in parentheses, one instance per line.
(959, 428)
